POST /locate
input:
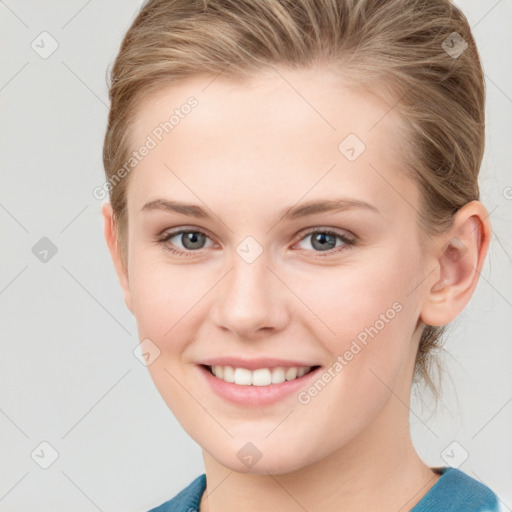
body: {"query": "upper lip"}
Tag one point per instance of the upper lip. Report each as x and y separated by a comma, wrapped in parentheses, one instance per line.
(254, 364)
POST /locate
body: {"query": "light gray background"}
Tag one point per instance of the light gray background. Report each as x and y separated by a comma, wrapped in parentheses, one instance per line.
(68, 374)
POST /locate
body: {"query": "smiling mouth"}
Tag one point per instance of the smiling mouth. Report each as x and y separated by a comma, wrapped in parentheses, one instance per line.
(260, 376)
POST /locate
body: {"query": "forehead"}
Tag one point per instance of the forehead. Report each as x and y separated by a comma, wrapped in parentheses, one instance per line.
(280, 131)
(320, 99)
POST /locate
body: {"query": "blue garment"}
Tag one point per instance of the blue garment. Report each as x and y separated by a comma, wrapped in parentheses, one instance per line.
(454, 491)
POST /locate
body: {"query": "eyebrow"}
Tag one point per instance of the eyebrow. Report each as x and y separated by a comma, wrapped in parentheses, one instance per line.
(313, 207)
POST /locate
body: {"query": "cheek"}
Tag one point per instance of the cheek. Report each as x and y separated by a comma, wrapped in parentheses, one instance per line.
(362, 293)
(373, 319)
(167, 304)
(163, 294)
(368, 315)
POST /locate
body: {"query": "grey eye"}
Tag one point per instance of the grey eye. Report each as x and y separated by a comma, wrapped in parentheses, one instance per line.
(323, 240)
(190, 240)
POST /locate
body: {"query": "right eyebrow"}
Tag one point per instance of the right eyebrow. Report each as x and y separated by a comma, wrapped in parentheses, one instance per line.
(191, 210)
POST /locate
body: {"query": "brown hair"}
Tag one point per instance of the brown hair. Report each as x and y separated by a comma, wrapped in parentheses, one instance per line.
(422, 52)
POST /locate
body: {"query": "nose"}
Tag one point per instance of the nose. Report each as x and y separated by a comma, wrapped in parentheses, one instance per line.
(251, 301)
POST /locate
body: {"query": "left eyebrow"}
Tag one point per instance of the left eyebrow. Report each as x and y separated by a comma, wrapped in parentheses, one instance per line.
(313, 207)
(328, 205)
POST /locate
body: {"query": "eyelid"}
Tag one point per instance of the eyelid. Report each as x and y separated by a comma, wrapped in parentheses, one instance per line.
(347, 237)
(167, 235)
(325, 229)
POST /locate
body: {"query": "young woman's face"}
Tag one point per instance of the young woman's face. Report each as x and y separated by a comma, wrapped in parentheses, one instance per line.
(252, 287)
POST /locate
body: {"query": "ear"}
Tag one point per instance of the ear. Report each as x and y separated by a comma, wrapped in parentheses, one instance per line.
(115, 252)
(460, 256)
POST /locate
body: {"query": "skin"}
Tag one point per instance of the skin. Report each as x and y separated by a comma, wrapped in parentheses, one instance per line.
(245, 152)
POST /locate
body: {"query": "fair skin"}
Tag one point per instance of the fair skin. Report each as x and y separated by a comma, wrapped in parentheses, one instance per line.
(247, 151)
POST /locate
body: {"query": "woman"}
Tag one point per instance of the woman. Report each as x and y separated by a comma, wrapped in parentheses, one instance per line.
(293, 218)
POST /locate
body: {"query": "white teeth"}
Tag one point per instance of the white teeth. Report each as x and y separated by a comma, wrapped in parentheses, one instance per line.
(291, 373)
(259, 377)
(243, 376)
(229, 373)
(278, 375)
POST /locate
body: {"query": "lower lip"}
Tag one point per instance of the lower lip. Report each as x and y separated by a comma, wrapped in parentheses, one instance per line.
(254, 396)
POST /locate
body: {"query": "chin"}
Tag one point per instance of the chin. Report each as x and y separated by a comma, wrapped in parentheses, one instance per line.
(260, 458)
(274, 466)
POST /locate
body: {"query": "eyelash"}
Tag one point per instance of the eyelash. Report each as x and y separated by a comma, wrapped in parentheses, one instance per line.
(347, 241)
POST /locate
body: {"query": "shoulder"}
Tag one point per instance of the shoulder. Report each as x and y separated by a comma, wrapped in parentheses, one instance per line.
(186, 500)
(455, 491)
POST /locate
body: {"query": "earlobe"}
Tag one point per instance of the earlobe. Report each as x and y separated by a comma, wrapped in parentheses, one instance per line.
(460, 255)
(110, 232)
